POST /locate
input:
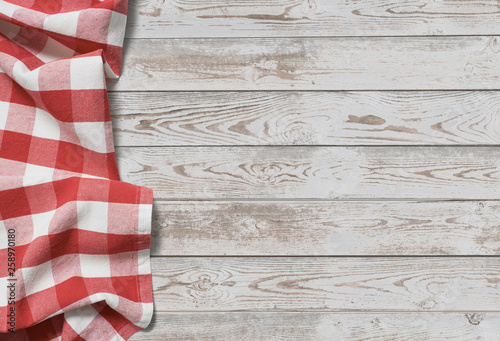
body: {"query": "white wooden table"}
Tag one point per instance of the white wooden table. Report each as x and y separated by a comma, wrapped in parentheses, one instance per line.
(322, 169)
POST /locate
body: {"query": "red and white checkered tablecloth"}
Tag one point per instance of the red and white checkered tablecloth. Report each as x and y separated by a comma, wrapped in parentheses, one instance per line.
(74, 239)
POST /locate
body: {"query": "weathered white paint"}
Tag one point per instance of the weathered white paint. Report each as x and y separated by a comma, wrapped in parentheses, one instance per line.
(259, 18)
(307, 326)
(306, 118)
(208, 228)
(376, 63)
(314, 172)
(326, 284)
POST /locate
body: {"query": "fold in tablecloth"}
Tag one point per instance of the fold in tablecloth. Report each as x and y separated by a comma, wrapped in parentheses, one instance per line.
(74, 239)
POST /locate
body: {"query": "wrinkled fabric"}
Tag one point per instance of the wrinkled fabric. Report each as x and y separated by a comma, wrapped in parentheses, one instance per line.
(74, 239)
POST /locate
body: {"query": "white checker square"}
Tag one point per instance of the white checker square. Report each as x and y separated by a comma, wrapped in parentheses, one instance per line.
(3, 291)
(93, 266)
(46, 126)
(92, 135)
(24, 77)
(144, 267)
(92, 216)
(41, 223)
(38, 278)
(35, 175)
(4, 109)
(80, 318)
(145, 212)
(3, 236)
(87, 73)
(54, 50)
(147, 313)
(116, 30)
(64, 23)
(8, 9)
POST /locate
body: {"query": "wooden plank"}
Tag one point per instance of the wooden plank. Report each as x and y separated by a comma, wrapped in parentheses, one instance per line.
(376, 63)
(305, 118)
(307, 326)
(325, 228)
(314, 172)
(243, 18)
(326, 284)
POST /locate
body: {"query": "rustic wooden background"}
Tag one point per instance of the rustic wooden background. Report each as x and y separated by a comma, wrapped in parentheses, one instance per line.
(322, 169)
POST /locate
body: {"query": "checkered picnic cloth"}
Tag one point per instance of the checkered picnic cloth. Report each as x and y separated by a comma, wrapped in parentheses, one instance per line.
(74, 239)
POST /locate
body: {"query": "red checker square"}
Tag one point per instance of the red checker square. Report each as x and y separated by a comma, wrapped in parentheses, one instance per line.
(90, 106)
(21, 96)
(66, 191)
(72, 5)
(24, 229)
(43, 152)
(49, 329)
(109, 4)
(126, 286)
(55, 76)
(8, 209)
(37, 252)
(6, 84)
(98, 285)
(146, 196)
(93, 25)
(124, 264)
(43, 303)
(20, 118)
(66, 267)
(122, 218)
(64, 243)
(95, 164)
(84, 46)
(15, 146)
(70, 291)
(23, 309)
(70, 157)
(41, 198)
(58, 103)
(122, 192)
(146, 288)
(49, 7)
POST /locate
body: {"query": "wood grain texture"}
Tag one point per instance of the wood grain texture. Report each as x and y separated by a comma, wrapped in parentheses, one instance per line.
(243, 18)
(314, 172)
(380, 63)
(325, 228)
(305, 118)
(307, 326)
(326, 284)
